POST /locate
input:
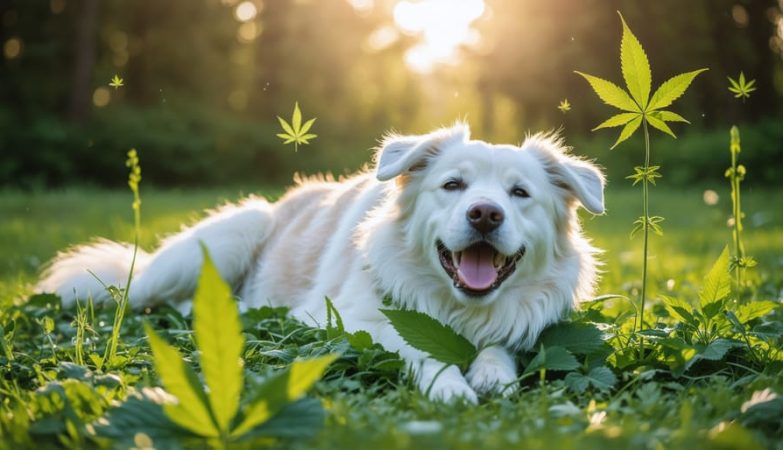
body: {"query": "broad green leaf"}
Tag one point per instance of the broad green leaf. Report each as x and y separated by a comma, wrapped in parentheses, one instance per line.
(661, 125)
(610, 93)
(628, 130)
(430, 336)
(717, 283)
(667, 116)
(600, 378)
(281, 389)
(753, 310)
(672, 89)
(635, 66)
(286, 127)
(552, 358)
(617, 120)
(192, 410)
(218, 333)
(306, 126)
(296, 119)
(679, 308)
(576, 337)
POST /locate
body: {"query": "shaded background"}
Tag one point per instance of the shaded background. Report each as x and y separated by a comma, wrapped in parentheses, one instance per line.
(204, 80)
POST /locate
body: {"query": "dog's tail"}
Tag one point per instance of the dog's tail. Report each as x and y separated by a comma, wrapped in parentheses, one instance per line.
(88, 271)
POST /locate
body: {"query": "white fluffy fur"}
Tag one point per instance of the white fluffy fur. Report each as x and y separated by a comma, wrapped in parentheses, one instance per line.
(363, 238)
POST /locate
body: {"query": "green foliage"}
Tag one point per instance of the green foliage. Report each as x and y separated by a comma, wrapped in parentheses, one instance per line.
(564, 106)
(218, 335)
(295, 132)
(740, 87)
(432, 337)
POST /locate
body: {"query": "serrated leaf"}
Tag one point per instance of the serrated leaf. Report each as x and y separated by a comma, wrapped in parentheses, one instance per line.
(286, 127)
(672, 89)
(635, 66)
(753, 310)
(218, 334)
(281, 389)
(617, 120)
(610, 93)
(679, 308)
(661, 125)
(296, 119)
(552, 358)
(192, 409)
(628, 130)
(668, 116)
(717, 283)
(576, 337)
(602, 378)
(307, 125)
(432, 337)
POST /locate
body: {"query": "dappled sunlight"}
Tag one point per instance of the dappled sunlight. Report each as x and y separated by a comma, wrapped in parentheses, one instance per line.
(442, 26)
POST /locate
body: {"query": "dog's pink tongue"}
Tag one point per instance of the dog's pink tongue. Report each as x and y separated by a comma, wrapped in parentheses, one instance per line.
(476, 269)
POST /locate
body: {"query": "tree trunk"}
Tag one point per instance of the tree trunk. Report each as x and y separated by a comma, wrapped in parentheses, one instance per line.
(83, 60)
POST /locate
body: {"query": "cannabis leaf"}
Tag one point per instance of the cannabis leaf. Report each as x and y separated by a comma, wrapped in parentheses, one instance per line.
(564, 106)
(741, 88)
(636, 102)
(296, 132)
(116, 82)
(211, 412)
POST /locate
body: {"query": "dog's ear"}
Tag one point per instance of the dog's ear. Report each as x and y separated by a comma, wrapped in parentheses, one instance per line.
(399, 154)
(583, 179)
(586, 181)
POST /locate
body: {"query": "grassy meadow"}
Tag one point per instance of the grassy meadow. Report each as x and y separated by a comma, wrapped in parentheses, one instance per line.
(366, 401)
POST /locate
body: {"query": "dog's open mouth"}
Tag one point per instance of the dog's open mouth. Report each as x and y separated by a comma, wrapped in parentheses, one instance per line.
(478, 269)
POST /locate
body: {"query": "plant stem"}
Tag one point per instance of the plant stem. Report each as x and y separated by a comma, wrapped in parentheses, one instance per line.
(646, 213)
(739, 251)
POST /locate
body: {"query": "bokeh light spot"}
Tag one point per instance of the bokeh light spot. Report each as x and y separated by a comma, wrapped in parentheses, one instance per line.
(57, 6)
(245, 11)
(12, 48)
(101, 97)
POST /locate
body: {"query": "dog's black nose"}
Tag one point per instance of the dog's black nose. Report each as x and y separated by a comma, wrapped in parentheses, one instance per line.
(485, 216)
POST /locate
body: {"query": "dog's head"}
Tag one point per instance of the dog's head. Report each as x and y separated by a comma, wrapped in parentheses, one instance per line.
(486, 216)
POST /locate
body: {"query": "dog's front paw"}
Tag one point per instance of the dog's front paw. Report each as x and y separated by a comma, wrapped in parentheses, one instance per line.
(493, 371)
(449, 386)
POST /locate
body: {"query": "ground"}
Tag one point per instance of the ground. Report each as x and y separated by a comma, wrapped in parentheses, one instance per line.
(373, 406)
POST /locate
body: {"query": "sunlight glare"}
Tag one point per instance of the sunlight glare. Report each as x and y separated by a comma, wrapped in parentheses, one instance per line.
(443, 24)
(245, 11)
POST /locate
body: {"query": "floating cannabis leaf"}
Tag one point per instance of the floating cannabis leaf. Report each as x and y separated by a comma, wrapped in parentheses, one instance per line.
(640, 110)
(638, 105)
(116, 82)
(564, 106)
(296, 132)
(741, 88)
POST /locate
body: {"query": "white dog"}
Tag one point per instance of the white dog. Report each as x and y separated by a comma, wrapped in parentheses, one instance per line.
(484, 238)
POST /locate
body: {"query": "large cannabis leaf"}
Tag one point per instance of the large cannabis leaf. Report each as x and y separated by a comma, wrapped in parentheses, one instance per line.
(636, 102)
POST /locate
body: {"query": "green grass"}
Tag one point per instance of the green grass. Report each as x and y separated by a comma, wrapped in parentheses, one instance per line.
(368, 403)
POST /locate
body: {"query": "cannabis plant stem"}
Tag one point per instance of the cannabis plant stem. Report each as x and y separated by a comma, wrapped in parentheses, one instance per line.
(739, 251)
(646, 213)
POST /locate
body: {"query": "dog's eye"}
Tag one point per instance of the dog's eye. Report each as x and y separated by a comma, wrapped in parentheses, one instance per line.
(519, 192)
(454, 185)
